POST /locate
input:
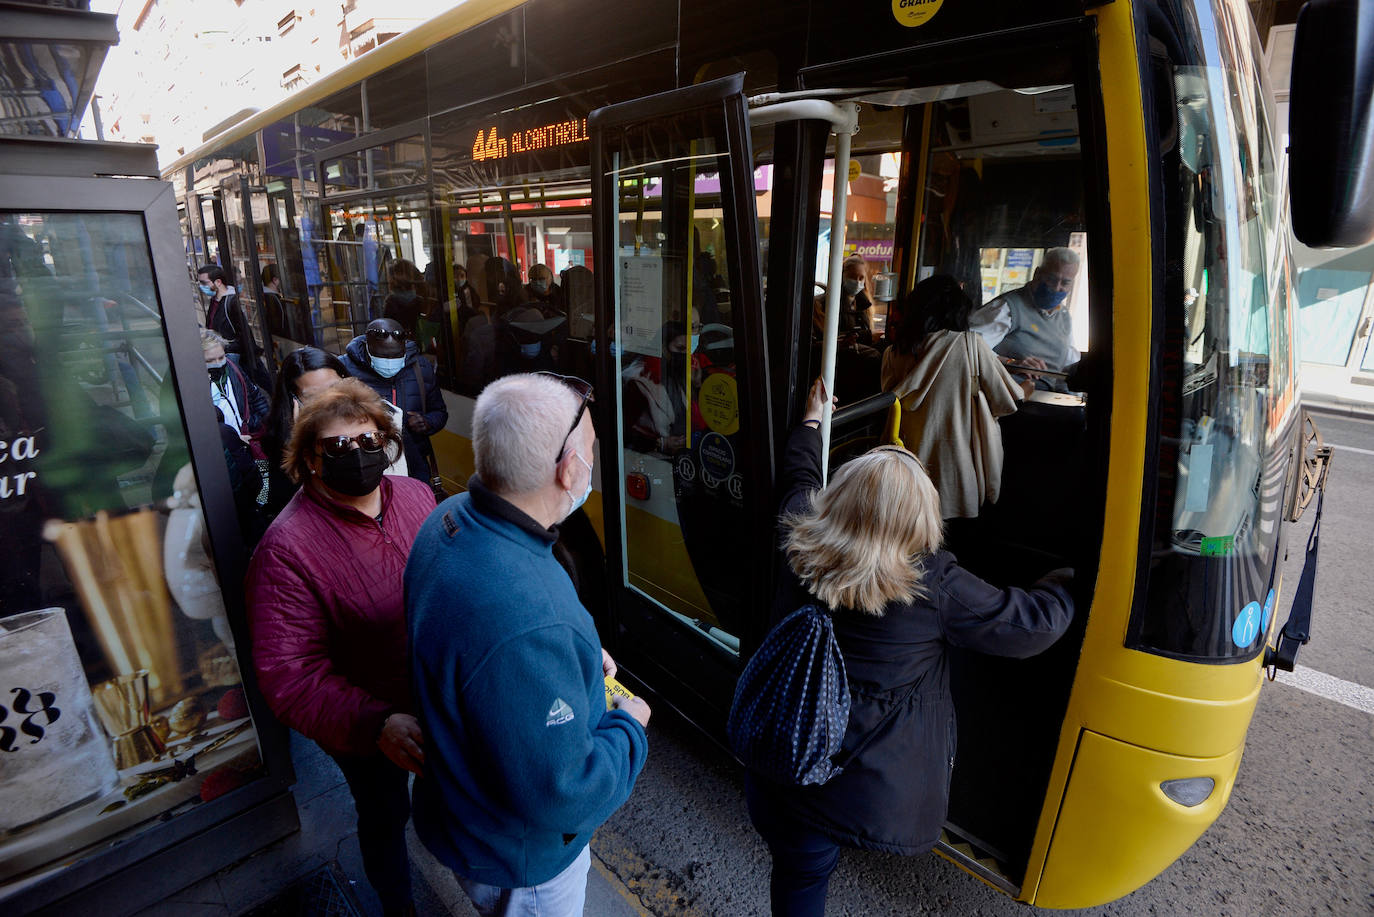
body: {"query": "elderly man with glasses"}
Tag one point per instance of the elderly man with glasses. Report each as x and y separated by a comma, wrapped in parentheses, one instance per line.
(523, 760)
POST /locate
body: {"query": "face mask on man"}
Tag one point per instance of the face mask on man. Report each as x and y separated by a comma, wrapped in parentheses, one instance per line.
(530, 351)
(386, 367)
(216, 369)
(356, 473)
(406, 296)
(696, 342)
(206, 289)
(851, 287)
(1046, 299)
(539, 286)
(578, 501)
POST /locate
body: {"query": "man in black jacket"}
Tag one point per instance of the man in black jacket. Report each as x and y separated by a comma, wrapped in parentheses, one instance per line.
(225, 316)
(394, 368)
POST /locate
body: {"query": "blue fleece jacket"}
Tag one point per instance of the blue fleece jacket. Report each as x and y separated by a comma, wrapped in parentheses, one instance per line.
(522, 760)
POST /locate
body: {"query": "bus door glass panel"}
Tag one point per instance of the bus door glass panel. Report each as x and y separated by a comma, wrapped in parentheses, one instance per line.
(503, 324)
(210, 245)
(246, 246)
(869, 239)
(379, 244)
(290, 316)
(1221, 477)
(683, 441)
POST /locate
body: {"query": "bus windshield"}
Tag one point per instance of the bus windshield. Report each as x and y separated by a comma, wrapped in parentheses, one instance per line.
(1227, 363)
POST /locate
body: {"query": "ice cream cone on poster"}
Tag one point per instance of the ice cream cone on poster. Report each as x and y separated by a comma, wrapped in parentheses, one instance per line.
(115, 564)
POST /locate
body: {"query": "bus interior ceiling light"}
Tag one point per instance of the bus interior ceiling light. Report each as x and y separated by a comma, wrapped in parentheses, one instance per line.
(1189, 791)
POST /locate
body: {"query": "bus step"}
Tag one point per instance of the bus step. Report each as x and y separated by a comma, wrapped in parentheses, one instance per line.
(983, 863)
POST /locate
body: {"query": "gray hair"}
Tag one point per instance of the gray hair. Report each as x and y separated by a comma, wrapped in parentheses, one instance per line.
(210, 338)
(518, 427)
(1064, 257)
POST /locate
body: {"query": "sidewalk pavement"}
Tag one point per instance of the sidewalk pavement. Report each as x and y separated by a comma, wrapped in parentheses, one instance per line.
(329, 835)
(1334, 390)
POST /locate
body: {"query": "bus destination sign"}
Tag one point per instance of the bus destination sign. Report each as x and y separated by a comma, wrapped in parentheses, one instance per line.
(490, 146)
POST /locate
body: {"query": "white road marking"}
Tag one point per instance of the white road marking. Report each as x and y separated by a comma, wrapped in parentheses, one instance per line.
(1351, 449)
(1330, 687)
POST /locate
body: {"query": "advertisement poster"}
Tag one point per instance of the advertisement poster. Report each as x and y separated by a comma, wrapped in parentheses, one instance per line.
(121, 702)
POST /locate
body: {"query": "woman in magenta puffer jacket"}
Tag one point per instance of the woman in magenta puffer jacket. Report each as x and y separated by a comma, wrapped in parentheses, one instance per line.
(327, 614)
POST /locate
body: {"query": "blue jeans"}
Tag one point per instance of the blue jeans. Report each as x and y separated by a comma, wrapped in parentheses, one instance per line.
(803, 858)
(561, 896)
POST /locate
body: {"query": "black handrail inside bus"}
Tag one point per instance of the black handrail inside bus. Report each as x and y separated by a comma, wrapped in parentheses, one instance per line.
(880, 403)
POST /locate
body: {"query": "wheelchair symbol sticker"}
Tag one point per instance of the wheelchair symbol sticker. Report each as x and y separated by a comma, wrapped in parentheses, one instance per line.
(1247, 626)
(1268, 612)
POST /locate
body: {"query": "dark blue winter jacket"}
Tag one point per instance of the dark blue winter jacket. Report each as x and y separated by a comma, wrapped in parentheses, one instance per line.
(404, 391)
(522, 760)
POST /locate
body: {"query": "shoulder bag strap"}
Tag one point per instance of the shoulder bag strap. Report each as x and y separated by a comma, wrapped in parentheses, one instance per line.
(429, 448)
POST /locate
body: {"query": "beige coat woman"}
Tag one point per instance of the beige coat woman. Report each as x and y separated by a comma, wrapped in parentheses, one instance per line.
(952, 391)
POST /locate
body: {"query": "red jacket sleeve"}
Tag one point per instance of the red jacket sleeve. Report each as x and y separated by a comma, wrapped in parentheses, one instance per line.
(291, 656)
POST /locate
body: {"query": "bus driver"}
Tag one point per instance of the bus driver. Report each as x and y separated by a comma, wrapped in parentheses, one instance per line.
(1031, 326)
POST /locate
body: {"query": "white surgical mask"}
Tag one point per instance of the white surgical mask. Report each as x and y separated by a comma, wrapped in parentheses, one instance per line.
(386, 367)
(578, 501)
(851, 287)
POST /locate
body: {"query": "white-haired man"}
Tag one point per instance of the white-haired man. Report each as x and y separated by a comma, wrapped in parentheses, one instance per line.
(522, 759)
(1031, 326)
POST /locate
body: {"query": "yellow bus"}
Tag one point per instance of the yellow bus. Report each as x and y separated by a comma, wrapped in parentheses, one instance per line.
(690, 178)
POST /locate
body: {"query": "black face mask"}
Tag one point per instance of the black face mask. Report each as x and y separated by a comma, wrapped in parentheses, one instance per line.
(356, 474)
(216, 372)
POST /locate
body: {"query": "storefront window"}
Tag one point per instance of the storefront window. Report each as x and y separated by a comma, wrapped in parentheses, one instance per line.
(121, 701)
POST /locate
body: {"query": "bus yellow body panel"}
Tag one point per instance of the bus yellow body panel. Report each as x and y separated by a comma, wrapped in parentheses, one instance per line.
(1166, 718)
(1117, 830)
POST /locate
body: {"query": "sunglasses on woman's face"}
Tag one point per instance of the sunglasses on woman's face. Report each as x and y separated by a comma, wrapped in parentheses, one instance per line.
(583, 389)
(338, 446)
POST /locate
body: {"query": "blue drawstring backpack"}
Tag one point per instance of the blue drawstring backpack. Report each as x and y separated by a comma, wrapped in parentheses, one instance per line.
(791, 706)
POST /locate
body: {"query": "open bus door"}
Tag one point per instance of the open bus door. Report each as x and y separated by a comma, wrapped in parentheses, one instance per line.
(682, 413)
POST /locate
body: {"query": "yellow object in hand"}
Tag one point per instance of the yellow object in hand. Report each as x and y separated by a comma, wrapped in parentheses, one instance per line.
(614, 688)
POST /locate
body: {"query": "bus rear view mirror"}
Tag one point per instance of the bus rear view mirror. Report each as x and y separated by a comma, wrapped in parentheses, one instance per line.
(1331, 124)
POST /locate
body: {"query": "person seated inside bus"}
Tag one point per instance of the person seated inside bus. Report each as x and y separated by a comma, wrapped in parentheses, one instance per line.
(856, 363)
(527, 342)
(503, 285)
(543, 293)
(1031, 326)
(656, 396)
(408, 300)
(952, 389)
(477, 341)
(464, 294)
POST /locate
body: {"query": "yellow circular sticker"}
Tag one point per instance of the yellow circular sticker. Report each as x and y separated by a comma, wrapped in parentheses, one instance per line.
(912, 13)
(853, 169)
(719, 400)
